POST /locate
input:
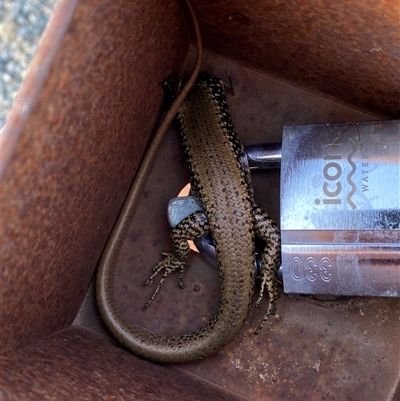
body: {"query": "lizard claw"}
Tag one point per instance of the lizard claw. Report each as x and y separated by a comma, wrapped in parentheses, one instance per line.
(269, 282)
(169, 265)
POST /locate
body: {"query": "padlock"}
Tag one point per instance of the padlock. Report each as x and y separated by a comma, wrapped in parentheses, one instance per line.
(340, 207)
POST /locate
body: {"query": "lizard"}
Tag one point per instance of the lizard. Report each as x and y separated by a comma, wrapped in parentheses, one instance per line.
(220, 179)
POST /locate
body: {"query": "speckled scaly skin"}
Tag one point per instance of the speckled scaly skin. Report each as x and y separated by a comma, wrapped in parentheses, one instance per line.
(220, 179)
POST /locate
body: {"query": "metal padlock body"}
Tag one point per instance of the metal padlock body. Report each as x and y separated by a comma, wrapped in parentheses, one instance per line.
(340, 209)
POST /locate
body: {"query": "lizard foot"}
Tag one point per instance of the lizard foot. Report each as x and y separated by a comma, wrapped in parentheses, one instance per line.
(269, 282)
(170, 264)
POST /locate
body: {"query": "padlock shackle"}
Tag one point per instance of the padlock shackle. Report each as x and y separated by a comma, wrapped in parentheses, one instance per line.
(264, 155)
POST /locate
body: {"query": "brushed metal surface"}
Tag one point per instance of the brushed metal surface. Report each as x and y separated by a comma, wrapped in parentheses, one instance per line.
(340, 209)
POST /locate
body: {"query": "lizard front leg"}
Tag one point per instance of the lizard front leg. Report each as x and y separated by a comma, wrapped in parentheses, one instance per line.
(192, 227)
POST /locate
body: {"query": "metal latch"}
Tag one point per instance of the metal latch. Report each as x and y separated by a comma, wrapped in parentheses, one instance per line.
(340, 207)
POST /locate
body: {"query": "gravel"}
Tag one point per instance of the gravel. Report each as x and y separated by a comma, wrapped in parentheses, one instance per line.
(21, 26)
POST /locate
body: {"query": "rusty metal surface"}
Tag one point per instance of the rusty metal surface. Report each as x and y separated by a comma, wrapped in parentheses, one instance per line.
(328, 349)
(349, 50)
(80, 125)
(81, 365)
(79, 139)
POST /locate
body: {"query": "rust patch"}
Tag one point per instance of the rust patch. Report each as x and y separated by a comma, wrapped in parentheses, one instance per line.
(349, 50)
(79, 364)
(77, 153)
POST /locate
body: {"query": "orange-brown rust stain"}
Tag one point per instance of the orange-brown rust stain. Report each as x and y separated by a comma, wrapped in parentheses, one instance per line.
(345, 49)
(77, 155)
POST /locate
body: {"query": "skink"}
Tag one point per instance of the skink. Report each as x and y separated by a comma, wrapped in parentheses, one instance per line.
(220, 178)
